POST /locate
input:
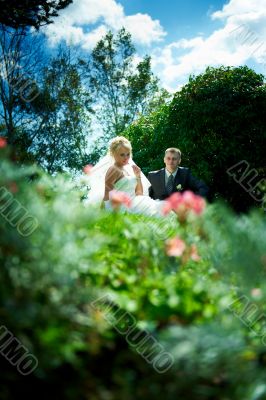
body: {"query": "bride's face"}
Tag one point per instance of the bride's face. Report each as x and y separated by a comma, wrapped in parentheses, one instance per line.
(121, 156)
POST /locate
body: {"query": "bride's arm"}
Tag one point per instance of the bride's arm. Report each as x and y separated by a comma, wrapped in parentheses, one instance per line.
(112, 175)
(139, 187)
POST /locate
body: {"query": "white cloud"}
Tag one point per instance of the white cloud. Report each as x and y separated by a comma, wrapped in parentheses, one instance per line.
(144, 29)
(187, 44)
(237, 8)
(73, 23)
(241, 39)
(91, 39)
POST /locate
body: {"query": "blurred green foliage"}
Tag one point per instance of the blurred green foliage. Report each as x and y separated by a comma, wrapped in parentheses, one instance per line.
(78, 254)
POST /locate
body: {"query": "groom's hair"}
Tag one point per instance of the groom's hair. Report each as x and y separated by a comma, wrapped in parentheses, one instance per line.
(173, 150)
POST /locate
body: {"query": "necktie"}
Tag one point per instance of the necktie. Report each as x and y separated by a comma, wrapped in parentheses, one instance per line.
(170, 182)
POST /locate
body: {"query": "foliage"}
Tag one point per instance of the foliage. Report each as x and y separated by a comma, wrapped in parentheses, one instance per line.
(147, 136)
(36, 13)
(46, 121)
(47, 109)
(121, 91)
(20, 61)
(77, 254)
(62, 111)
(217, 120)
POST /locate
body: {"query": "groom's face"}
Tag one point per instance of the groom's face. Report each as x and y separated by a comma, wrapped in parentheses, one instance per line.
(171, 160)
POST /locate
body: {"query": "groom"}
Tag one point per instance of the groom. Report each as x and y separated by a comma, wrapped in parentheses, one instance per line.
(173, 178)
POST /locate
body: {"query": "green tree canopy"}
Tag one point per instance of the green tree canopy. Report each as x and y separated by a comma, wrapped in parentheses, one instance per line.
(21, 61)
(44, 110)
(36, 13)
(217, 120)
(62, 113)
(121, 91)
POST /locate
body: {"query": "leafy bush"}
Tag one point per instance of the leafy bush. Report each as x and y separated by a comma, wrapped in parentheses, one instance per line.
(217, 120)
(50, 279)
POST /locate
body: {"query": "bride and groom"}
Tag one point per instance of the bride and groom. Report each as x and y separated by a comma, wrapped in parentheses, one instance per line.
(118, 172)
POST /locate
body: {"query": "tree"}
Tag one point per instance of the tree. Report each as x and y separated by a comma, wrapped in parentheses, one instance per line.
(121, 92)
(62, 111)
(20, 61)
(36, 13)
(44, 111)
(218, 120)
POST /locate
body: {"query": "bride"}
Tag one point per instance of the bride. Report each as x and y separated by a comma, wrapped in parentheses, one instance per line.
(118, 172)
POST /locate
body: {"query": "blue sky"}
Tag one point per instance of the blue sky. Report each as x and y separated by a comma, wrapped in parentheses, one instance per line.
(182, 37)
(179, 18)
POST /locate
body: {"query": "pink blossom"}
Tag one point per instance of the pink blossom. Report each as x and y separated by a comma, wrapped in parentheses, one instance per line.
(256, 292)
(193, 201)
(183, 203)
(175, 247)
(172, 203)
(3, 142)
(194, 253)
(13, 187)
(118, 198)
(87, 169)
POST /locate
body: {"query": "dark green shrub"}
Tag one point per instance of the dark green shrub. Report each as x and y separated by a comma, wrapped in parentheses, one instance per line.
(217, 120)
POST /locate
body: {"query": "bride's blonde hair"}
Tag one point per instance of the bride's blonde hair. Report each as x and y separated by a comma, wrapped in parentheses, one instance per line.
(117, 142)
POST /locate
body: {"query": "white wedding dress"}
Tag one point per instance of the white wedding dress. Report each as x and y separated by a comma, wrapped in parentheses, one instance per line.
(139, 204)
(127, 184)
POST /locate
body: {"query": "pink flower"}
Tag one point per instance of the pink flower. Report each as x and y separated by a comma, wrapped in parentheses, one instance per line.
(118, 198)
(87, 169)
(3, 142)
(13, 187)
(172, 203)
(183, 203)
(194, 253)
(256, 292)
(194, 202)
(175, 247)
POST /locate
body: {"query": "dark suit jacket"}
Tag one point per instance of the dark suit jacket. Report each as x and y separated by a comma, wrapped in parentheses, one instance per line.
(183, 177)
